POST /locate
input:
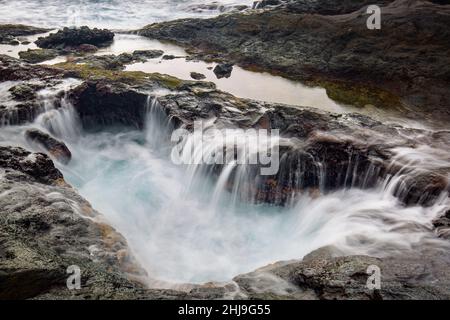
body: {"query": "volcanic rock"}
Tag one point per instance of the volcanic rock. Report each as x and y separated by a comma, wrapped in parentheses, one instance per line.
(38, 55)
(197, 76)
(70, 37)
(223, 70)
(55, 148)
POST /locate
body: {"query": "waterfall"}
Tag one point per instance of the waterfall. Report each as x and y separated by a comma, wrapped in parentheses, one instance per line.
(158, 126)
(53, 122)
(62, 122)
(189, 219)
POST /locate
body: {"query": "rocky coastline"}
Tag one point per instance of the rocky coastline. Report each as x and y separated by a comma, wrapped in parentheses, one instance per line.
(404, 65)
(46, 226)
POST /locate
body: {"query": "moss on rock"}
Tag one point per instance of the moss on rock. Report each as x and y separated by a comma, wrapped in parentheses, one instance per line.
(38, 55)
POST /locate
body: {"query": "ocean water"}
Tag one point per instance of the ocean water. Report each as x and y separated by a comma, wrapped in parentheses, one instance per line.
(112, 14)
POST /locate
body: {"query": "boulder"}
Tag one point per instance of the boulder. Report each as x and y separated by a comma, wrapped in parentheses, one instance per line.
(23, 92)
(197, 76)
(38, 55)
(9, 32)
(148, 54)
(37, 166)
(56, 149)
(223, 70)
(442, 225)
(170, 57)
(71, 37)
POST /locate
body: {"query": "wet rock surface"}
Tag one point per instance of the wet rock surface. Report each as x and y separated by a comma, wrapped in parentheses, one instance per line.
(16, 70)
(148, 54)
(23, 92)
(73, 37)
(322, 275)
(442, 225)
(223, 70)
(44, 226)
(197, 76)
(30, 79)
(328, 42)
(10, 32)
(101, 104)
(55, 148)
(351, 149)
(37, 167)
(38, 55)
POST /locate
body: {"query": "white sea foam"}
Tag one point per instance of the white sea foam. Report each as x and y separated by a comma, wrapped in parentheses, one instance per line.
(113, 14)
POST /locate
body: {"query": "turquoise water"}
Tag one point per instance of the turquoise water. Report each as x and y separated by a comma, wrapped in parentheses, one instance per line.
(181, 234)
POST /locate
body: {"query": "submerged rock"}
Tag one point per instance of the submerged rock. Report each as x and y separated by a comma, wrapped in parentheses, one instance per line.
(70, 37)
(170, 57)
(197, 76)
(55, 148)
(148, 54)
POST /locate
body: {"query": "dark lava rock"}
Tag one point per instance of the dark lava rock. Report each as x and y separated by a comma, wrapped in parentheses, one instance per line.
(69, 37)
(45, 227)
(330, 7)
(23, 92)
(86, 48)
(326, 41)
(423, 188)
(331, 151)
(148, 54)
(20, 113)
(105, 103)
(108, 62)
(55, 148)
(12, 69)
(116, 62)
(9, 32)
(14, 42)
(442, 225)
(323, 275)
(197, 76)
(266, 3)
(171, 57)
(38, 55)
(223, 70)
(37, 166)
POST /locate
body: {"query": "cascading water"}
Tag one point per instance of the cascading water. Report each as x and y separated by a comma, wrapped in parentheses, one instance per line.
(186, 224)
